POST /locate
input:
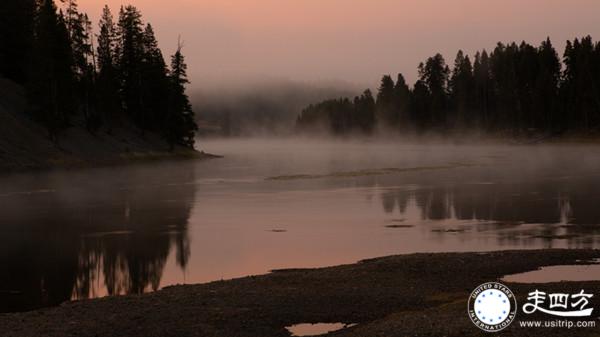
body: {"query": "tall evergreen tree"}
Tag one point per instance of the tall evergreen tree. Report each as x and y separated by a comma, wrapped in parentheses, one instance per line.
(80, 35)
(181, 124)
(364, 113)
(80, 38)
(504, 77)
(51, 74)
(387, 113)
(109, 102)
(580, 85)
(154, 82)
(547, 83)
(434, 74)
(130, 49)
(402, 98)
(420, 105)
(526, 70)
(461, 88)
(483, 89)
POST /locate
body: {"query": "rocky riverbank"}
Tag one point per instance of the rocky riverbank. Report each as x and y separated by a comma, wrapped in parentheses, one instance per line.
(407, 295)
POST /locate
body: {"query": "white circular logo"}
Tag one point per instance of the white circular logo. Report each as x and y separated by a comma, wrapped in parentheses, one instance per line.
(492, 306)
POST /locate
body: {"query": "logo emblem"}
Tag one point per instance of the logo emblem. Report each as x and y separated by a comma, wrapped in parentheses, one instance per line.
(492, 306)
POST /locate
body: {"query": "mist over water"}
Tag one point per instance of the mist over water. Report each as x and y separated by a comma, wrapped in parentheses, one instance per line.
(284, 203)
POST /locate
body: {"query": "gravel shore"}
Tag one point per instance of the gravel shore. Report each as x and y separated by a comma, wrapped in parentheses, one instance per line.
(407, 295)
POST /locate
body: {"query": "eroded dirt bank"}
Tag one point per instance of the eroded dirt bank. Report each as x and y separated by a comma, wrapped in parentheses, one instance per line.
(407, 295)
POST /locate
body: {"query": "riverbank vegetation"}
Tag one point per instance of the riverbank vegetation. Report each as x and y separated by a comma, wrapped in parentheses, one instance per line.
(111, 79)
(517, 88)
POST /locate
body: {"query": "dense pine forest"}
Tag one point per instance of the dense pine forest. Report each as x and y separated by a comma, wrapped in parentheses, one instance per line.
(113, 77)
(519, 89)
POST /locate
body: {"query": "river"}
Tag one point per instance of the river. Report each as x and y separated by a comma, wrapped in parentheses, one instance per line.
(283, 203)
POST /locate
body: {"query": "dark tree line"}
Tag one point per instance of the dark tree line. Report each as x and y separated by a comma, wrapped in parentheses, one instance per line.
(341, 115)
(108, 79)
(515, 88)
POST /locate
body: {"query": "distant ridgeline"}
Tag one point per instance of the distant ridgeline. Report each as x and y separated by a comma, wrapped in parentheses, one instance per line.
(117, 79)
(516, 88)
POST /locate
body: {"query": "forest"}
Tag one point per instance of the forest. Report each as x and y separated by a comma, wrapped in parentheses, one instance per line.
(517, 89)
(115, 77)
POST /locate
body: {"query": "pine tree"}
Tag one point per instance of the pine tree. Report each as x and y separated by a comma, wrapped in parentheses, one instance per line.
(434, 74)
(109, 103)
(504, 77)
(51, 73)
(547, 83)
(181, 125)
(387, 113)
(483, 89)
(77, 24)
(130, 51)
(461, 90)
(365, 107)
(154, 82)
(402, 98)
(80, 35)
(579, 88)
(420, 105)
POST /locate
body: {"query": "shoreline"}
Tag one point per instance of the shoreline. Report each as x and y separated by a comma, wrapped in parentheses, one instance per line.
(421, 294)
(430, 139)
(122, 159)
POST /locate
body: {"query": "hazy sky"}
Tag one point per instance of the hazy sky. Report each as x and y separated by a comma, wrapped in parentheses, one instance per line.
(234, 41)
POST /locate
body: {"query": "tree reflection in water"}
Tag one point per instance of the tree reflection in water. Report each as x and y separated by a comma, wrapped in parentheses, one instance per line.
(112, 236)
(560, 211)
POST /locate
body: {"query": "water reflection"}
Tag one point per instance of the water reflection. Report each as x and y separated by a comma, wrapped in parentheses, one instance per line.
(110, 236)
(518, 213)
(90, 233)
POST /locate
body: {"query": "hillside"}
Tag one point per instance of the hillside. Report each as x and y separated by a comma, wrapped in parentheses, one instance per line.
(24, 144)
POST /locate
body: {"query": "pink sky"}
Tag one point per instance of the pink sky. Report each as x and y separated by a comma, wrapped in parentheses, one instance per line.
(235, 41)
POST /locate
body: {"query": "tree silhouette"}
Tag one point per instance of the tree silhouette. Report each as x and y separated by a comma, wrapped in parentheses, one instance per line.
(517, 89)
(546, 92)
(51, 72)
(461, 88)
(483, 90)
(181, 125)
(434, 75)
(580, 90)
(130, 53)
(402, 102)
(364, 111)
(386, 102)
(154, 82)
(109, 103)
(80, 36)
(420, 105)
(123, 81)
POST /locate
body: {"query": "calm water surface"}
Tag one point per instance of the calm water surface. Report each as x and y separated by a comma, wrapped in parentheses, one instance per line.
(96, 232)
